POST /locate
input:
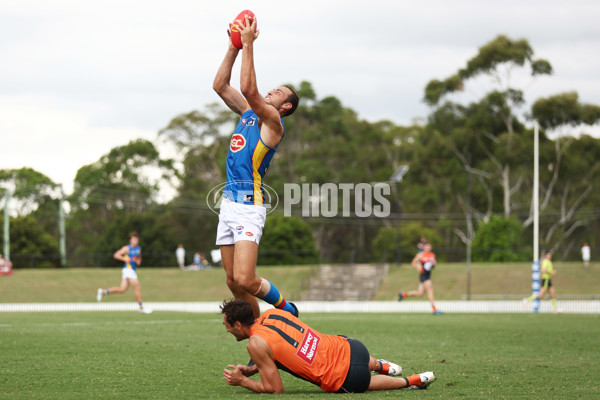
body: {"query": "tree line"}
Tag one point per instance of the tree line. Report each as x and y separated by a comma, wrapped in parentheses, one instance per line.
(470, 178)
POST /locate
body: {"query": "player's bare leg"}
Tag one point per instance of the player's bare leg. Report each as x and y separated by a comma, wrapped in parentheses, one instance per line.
(244, 275)
(119, 289)
(228, 260)
(416, 293)
(429, 288)
(137, 289)
(244, 271)
(383, 382)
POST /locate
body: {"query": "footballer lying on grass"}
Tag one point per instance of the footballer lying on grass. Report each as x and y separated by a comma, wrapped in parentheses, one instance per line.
(278, 340)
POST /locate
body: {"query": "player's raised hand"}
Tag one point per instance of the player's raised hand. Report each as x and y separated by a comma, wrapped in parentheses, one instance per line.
(231, 45)
(248, 31)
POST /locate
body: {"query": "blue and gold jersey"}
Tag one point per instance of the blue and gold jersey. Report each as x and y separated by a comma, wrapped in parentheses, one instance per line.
(133, 252)
(247, 162)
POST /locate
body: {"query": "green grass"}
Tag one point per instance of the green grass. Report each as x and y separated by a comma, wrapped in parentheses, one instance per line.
(158, 284)
(165, 355)
(450, 280)
(171, 284)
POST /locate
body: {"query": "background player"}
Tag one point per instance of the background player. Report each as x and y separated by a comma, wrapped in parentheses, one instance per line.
(242, 215)
(424, 262)
(131, 255)
(278, 340)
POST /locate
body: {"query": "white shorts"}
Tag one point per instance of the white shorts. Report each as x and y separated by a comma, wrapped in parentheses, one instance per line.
(240, 222)
(127, 273)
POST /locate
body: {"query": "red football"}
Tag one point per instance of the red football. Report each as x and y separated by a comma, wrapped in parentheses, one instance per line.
(236, 38)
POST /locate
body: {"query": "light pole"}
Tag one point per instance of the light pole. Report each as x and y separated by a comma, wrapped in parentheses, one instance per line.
(61, 228)
(397, 177)
(535, 267)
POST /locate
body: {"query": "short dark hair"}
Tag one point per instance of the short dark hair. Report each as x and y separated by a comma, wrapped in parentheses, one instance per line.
(133, 234)
(293, 99)
(238, 310)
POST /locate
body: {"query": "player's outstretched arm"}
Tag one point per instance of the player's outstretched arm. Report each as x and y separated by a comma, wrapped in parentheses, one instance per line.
(268, 114)
(270, 380)
(221, 84)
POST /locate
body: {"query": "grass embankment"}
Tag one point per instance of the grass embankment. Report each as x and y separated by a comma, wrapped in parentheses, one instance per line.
(171, 284)
(450, 280)
(158, 284)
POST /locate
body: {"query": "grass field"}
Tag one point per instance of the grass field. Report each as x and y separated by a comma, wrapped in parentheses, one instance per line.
(171, 284)
(158, 284)
(450, 280)
(169, 355)
(98, 355)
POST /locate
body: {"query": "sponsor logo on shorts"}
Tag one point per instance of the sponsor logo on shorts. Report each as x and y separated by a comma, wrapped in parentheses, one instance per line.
(249, 234)
(238, 142)
(308, 348)
(239, 228)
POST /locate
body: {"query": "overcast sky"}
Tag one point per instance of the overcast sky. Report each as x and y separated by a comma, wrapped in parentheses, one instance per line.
(80, 77)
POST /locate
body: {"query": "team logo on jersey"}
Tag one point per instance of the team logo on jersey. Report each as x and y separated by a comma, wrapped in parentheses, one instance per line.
(248, 122)
(238, 142)
(309, 347)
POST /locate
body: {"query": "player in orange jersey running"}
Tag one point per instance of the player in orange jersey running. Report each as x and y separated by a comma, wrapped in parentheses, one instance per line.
(278, 340)
(424, 262)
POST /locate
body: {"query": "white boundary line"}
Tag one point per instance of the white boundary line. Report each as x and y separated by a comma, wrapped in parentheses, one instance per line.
(506, 306)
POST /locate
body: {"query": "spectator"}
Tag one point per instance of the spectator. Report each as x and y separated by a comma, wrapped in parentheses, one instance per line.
(180, 254)
(197, 260)
(5, 266)
(586, 254)
(421, 244)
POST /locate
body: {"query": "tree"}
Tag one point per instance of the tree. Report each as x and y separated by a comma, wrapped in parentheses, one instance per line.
(158, 239)
(499, 240)
(31, 189)
(31, 245)
(386, 241)
(575, 161)
(287, 241)
(202, 140)
(492, 122)
(120, 183)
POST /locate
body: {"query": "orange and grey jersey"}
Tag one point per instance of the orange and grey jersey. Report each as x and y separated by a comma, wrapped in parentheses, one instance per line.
(427, 257)
(302, 351)
(247, 162)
